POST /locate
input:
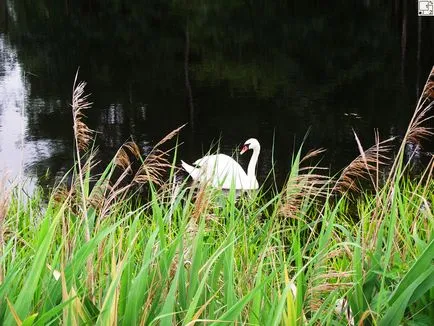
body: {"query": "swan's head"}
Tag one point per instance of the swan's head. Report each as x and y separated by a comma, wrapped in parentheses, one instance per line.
(251, 143)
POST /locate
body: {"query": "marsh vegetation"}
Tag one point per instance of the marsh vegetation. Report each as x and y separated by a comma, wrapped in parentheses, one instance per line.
(355, 248)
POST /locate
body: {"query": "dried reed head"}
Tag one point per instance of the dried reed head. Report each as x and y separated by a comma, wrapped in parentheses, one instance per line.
(82, 133)
(156, 162)
(302, 189)
(428, 90)
(366, 166)
(90, 161)
(109, 191)
(202, 201)
(153, 168)
(98, 196)
(325, 279)
(307, 185)
(311, 154)
(417, 130)
(169, 136)
(122, 157)
(62, 194)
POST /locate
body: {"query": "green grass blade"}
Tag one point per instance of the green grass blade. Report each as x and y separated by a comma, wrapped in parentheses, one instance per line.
(233, 313)
(168, 308)
(209, 264)
(139, 284)
(24, 301)
(396, 311)
(423, 263)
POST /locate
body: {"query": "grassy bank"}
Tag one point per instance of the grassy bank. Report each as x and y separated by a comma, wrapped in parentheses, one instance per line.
(192, 255)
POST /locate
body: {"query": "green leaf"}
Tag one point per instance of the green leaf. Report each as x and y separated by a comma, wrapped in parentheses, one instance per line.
(52, 314)
(168, 308)
(136, 297)
(235, 310)
(193, 304)
(396, 311)
(427, 284)
(23, 303)
(29, 320)
(423, 263)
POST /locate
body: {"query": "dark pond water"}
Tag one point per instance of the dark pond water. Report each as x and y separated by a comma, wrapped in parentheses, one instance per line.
(230, 69)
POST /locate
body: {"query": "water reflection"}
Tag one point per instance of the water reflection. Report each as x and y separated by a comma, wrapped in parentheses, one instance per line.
(272, 70)
(14, 95)
(19, 152)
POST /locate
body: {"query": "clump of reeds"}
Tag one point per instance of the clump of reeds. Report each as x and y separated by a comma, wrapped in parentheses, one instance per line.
(417, 129)
(370, 164)
(83, 135)
(305, 185)
(367, 166)
(152, 170)
(327, 262)
(165, 263)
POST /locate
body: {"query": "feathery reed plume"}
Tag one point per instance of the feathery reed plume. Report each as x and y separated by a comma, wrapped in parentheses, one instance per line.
(325, 278)
(97, 197)
(82, 137)
(153, 168)
(365, 166)
(82, 133)
(312, 153)
(122, 158)
(201, 202)
(298, 189)
(307, 184)
(169, 136)
(156, 162)
(428, 90)
(106, 193)
(416, 129)
(60, 193)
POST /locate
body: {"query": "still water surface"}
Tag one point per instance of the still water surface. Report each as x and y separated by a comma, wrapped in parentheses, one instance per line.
(274, 72)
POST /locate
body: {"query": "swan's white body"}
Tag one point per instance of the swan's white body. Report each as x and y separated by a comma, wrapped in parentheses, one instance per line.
(222, 171)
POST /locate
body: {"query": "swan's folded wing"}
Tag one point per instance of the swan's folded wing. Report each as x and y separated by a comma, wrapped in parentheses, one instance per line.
(192, 171)
(222, 171)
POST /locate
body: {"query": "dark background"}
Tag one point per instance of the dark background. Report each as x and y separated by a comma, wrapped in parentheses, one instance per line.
(232, 69)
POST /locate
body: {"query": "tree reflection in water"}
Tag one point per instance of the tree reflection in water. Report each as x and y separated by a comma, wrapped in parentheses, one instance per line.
(253, 69)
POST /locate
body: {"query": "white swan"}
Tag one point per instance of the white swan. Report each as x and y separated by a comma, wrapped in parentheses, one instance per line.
(222, 171)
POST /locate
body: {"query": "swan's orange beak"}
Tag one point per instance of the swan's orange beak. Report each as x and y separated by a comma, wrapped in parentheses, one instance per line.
(244, 149)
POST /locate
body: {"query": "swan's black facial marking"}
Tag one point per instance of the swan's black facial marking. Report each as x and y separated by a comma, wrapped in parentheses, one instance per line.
(244, 148)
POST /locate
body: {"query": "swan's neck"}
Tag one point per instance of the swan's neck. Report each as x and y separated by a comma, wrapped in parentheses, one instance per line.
(251, 169)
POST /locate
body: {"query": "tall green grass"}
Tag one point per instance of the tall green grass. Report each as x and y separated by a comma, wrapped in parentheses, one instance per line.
(89, 254)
